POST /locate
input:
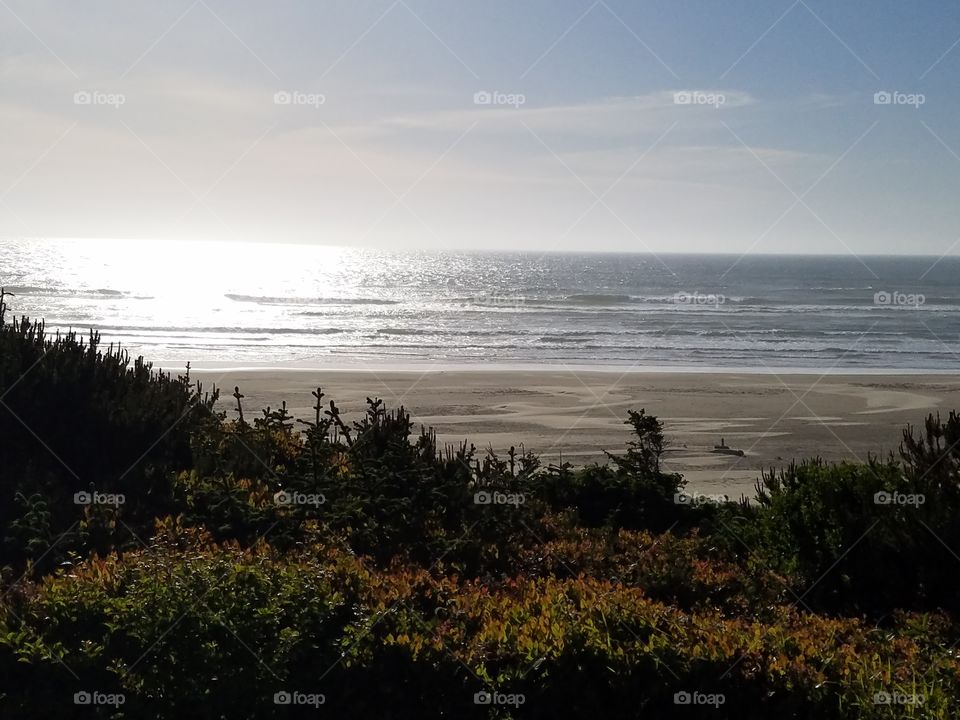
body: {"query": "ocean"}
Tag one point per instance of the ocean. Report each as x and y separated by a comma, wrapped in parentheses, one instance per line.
(248, 305)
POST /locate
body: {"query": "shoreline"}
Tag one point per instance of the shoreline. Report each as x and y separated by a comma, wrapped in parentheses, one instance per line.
(563, 414)
(448, 368)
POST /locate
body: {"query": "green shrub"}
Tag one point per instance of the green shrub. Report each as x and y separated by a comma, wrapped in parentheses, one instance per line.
(633, 492)
(76, 418)
(860, 538)
(187, 627)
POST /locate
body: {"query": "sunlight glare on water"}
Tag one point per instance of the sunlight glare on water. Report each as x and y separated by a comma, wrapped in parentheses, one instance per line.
(322, 306)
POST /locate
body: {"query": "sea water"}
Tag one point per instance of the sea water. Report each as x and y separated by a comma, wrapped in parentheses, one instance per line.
(275, 304)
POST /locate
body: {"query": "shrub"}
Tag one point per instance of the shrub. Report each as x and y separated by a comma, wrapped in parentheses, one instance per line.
(860, 538)
(187, 627)
(74, 418)
(633, 492)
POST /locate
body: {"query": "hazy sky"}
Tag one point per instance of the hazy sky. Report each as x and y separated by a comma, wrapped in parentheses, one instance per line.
(610, 125)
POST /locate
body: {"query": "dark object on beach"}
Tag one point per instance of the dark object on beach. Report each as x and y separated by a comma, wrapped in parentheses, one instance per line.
(724, 449)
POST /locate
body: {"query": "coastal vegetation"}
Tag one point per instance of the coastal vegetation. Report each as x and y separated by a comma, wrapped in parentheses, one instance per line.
(165, 557)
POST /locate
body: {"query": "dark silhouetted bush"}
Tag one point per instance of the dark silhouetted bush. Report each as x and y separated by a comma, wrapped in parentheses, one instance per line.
(77, 418)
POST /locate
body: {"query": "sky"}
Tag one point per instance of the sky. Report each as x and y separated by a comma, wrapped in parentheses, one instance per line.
(771, 127)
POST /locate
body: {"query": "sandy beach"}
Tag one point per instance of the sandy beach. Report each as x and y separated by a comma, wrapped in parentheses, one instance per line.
(576, 415)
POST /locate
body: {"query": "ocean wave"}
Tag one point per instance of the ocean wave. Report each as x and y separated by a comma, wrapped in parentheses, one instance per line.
(443, 332)
(563, 339)
(404, 331)
(282, 300)
(27, 289)
(40, 291)
(438, 346)
(267, 331)
(507, 298)
(598, 299)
